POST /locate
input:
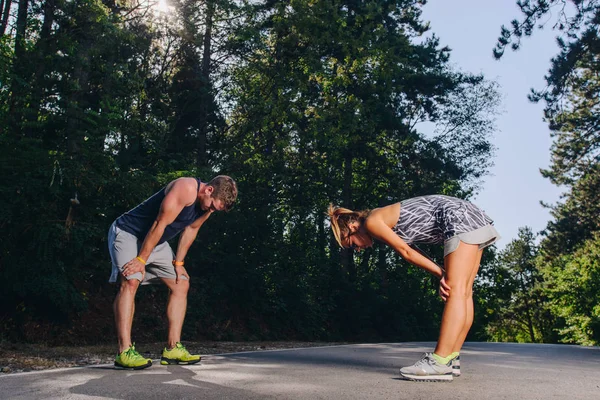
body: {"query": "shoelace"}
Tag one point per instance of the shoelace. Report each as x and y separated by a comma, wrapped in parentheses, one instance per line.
(131, 352)
(184, 349)
(424, 360)
(178, 345)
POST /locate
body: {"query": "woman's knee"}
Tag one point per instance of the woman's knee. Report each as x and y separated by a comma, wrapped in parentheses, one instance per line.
(460, 289)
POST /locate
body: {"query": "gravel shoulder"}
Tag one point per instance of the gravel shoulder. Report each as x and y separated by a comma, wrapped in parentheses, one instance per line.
(35, 357)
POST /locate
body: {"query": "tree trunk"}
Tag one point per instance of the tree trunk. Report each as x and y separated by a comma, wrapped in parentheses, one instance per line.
(42, 46)
(2, 11)
(5, 14)
(206, 85)
(16, 87)
(348, 254)
(382, 267)
(21, 30)
(527, 309)
(76, 102)
(322, 241)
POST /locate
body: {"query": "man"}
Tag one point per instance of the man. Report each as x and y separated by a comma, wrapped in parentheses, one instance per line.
(140, 254)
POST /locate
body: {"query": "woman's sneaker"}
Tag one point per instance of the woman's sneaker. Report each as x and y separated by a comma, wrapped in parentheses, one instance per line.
(131, 359)
(428, 369)
(178, 355)
(456, 366)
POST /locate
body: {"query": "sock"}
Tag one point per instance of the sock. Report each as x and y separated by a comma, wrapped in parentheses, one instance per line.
(454, 355)
(442, 360)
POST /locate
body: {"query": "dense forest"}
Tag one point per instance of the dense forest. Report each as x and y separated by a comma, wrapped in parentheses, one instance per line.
(553, 286)
(303, 102)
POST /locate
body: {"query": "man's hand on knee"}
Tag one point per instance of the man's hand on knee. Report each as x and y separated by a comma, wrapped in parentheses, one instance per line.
(134, 266)
(180, 271)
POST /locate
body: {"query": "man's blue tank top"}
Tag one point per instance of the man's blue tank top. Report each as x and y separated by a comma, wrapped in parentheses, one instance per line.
(139, 220)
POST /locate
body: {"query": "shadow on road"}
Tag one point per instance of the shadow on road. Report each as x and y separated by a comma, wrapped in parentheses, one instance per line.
(172, 382)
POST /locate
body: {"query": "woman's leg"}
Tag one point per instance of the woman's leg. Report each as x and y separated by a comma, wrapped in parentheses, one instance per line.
(460, 266)
(470, 309)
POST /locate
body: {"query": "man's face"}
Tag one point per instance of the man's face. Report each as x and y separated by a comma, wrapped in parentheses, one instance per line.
(214, 204)
(209, 203)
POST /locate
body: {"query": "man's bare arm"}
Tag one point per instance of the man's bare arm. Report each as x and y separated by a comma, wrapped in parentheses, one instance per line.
(180, 193)
(189, 235)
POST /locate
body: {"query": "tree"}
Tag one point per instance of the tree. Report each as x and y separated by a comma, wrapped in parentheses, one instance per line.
(201, 54)
(573, 89)
(576, 220)
(329, 96)
(574, 293)
(521, 313)
(56, 121)
(303, 102)
(17, 88)
(572, 108)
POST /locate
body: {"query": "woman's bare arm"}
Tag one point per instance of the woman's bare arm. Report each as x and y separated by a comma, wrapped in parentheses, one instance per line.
(377, 228)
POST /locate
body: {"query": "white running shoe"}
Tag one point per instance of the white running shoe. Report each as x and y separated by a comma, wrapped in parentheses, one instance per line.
(427, 369)
(456, 366)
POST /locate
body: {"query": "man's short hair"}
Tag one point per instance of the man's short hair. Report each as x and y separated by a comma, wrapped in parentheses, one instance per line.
(225, 189)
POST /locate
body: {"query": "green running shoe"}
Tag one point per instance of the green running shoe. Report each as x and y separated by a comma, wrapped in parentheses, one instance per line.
(131, 359)
(178, 355)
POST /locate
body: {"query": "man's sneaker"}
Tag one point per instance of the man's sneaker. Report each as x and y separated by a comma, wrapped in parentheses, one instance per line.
(131, 359)
(427, 369)
(178, 355)
(456, 366)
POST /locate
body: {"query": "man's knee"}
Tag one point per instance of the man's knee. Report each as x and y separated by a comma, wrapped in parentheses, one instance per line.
(181, 288)
(129, 285)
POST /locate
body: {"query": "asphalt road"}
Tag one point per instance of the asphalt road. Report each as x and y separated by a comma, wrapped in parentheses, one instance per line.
(367, 371)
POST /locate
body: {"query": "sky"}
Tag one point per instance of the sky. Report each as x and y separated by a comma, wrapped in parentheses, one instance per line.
(511, 194)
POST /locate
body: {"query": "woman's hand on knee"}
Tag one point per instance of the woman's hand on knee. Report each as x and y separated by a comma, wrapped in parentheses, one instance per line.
(444, 290)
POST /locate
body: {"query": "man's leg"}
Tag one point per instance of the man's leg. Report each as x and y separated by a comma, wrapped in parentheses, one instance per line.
(176, 308)
(123, 247)
(124, 307)
(175, 352)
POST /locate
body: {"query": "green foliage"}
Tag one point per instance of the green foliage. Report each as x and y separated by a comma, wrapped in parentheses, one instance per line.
(569, 248)
(327, 99)
(520, 312)
(573, 22)
(56, 213)
(573, 89)
(576, 220)
(573, 287)
(302, 102)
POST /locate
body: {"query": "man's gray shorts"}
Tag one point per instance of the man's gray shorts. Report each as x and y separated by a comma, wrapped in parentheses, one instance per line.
(124, 247)
(484, 237)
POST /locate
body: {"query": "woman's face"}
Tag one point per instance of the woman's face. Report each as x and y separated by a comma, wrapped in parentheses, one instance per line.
(358, 239)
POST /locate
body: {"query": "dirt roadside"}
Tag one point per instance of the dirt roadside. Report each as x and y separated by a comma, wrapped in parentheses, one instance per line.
(29, 357)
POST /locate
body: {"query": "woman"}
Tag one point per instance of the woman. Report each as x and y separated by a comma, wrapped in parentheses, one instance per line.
(465, 231)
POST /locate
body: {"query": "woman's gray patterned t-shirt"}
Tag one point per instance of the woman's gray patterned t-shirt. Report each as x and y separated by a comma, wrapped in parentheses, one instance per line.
(433, 219)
